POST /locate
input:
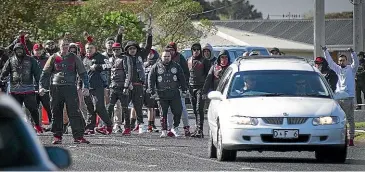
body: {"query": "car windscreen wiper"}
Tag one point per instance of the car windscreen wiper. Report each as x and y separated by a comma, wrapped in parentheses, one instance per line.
(272, 94)
(315, 95)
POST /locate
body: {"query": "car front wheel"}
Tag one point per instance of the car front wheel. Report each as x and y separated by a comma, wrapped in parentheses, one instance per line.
(212, 150)
(223, 154)
(336, 155)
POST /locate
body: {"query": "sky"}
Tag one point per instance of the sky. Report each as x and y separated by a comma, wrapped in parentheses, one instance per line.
(280, 7)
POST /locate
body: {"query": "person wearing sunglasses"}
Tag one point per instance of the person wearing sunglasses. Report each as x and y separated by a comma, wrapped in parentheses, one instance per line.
(121, 74)
(199, 68)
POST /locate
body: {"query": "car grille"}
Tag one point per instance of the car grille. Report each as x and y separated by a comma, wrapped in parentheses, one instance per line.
(302, 138)
(280, 120)
(273, 120)
(297, 120)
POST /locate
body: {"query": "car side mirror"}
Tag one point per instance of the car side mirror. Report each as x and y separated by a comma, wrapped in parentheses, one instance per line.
(59, 156)
(215, 95)
(340, 95)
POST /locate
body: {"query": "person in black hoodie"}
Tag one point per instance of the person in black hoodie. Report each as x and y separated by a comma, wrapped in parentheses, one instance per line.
(330, 75)
(216, 72)
(199, 69)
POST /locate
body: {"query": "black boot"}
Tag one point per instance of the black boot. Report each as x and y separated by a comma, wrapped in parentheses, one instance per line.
(198, 133)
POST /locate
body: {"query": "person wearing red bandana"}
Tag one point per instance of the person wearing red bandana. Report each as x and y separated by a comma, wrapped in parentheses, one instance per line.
(95, 63)
(59, 77)
(216, 72)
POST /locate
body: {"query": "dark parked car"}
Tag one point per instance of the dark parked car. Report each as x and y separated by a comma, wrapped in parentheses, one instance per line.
(20, 148)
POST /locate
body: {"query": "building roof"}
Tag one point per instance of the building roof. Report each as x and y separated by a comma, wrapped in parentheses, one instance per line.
(246, 38)
(338, 31)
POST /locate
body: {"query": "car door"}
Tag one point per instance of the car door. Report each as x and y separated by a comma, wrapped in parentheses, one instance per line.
(215, 105)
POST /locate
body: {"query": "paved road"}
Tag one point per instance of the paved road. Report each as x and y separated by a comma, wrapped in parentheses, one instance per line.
(149, 152)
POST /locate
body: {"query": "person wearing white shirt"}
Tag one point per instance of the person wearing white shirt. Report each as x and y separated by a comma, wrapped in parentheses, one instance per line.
(346, 83)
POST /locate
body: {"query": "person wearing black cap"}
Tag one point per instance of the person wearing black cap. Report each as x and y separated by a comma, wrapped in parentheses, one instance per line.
(275, 52)
(330, 75)
(360, 79)
(199, 68)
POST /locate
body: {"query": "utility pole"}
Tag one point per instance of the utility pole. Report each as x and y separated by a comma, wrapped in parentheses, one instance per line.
(319, 27)
(358, 29)
(363, 24)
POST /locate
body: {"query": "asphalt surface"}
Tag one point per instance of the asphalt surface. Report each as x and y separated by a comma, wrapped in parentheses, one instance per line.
(147, 151)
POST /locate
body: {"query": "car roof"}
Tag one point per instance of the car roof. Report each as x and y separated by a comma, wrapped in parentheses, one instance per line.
(252, 63)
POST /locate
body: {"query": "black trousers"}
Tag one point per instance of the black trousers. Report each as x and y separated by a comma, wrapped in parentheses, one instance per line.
(197, 102)
(176, 109)
(95, 104)
(115, 95)
(30, 103)
(45, 100)
(359, 88)
(136, 96)
(61, 95)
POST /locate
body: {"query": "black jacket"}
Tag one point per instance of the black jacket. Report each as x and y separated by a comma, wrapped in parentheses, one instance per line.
(199, 68)
(215, 73)
(332, 79)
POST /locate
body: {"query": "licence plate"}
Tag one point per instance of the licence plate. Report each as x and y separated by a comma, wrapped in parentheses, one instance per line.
(286, 134)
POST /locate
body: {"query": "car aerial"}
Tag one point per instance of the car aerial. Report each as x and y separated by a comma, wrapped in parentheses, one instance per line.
(276, 103)
(235, 51)
(20, 149)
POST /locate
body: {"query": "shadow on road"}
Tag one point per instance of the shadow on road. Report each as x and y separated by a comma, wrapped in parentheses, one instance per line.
(292, 160)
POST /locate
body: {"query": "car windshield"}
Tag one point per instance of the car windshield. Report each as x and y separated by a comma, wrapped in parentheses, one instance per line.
(277, 83)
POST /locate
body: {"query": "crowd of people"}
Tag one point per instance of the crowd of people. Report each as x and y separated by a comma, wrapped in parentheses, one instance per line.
(77, 84)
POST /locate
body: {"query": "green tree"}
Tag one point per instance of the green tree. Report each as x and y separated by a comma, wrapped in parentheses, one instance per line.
(172, 22)
(236, 10)
(33, 15)
(343, 15)
(101, 19)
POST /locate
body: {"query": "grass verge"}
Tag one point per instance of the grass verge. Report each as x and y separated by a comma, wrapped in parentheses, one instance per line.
(360, 136)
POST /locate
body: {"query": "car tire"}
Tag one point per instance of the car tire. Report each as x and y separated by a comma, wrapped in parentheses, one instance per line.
(223, 154)
(334, 155)
(212, 150)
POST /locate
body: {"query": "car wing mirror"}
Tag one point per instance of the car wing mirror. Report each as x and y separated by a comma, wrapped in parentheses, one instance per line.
(215, 95)
(59, 156)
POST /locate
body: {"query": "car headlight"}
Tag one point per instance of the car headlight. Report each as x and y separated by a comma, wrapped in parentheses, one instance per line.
(243, 120)
(326, 120)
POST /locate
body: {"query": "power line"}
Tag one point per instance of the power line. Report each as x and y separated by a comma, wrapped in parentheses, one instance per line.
(204, 12)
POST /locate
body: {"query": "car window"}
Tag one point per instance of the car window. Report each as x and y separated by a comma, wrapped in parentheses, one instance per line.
(223, 83)
(278, 83)
(14, 151)
(186, 53)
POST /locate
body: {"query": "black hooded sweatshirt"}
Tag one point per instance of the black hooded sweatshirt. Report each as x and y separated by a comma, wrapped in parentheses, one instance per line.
(215, 73)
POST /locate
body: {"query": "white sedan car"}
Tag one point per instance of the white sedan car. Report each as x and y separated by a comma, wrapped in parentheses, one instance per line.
(275, 104)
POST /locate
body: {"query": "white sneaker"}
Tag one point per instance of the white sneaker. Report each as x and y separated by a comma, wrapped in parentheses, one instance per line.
(163, 134)
(142, 129)
(176, 132)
